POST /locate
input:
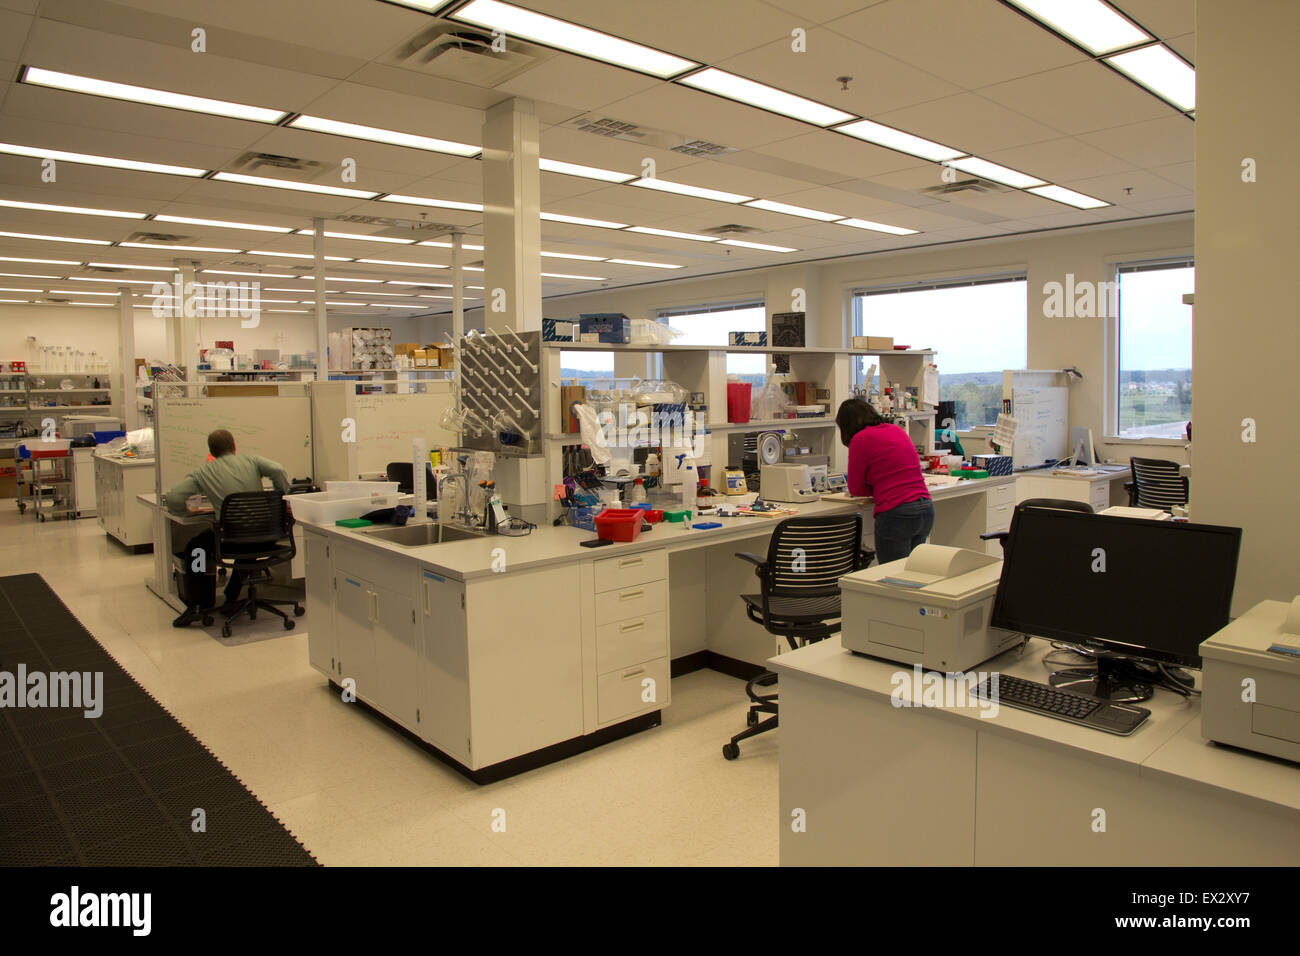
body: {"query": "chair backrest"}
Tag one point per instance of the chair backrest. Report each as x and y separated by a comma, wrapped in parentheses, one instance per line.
(807, 556)
(1159, 483)
(1060, 504)
(403, 472)
(250, 517)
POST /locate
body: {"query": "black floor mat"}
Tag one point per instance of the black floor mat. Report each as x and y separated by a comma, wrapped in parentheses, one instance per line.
(119, 789)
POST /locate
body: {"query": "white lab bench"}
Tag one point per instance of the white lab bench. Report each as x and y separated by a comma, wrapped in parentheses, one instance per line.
(881, 785)
(118, 484)
(1101, 490)
(504, 652)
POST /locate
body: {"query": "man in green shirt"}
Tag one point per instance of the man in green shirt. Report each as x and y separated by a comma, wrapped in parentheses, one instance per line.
(226, 473)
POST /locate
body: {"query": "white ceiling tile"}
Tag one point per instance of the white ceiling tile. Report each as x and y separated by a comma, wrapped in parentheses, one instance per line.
(1164, 18)
(970, 122)
(1113, 188)
(1059, 159)
(840, 154)
(574, 146)
(880, 82)
(1159, 142)
(1182, 174)
(13, 33)
(822, 11)
(1078, 99)
(1184, 45)
(700, 115)
(965, 43)
(355, 103)
(1161, 207)
(576, 83)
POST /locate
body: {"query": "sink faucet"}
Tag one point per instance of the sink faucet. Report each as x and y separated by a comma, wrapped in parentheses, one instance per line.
(464, 516)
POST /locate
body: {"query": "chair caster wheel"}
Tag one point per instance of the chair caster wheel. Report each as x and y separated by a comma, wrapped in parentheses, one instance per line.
(730, 751)
(288, 624)
(751, 718)
(207, 620)
(299, 610)
(225, 630)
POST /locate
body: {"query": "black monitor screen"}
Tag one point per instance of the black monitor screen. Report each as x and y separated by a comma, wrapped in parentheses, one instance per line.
(1147, 589)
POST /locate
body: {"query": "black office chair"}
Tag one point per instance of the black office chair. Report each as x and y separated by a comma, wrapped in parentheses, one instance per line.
(1060, 504)
(799, 596)
(403, 472)
(1156, 483)
(254, 534)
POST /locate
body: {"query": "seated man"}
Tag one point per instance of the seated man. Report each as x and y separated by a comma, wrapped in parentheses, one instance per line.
(225, 474)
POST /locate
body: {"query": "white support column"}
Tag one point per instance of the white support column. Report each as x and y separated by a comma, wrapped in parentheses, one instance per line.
(457, 310)
(187, 340)
(124, 390)
(322, 324)
(512, 232)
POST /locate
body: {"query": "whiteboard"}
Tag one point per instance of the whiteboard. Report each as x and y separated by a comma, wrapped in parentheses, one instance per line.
(1043, 425)
(387, 424)
(275, 427)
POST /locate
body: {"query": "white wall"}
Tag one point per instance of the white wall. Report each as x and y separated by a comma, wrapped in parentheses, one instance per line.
(1246, 335)
(1089, 253)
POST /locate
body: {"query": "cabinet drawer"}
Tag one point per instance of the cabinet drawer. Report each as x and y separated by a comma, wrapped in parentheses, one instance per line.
(1100, 497)
(634, 641)
(1001, 494)
(613, 573)
(618, 694)
(998, 516)
(634, 601)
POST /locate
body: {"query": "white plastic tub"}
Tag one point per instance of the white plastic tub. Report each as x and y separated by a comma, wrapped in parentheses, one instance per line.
(324, 507)
(359, 489)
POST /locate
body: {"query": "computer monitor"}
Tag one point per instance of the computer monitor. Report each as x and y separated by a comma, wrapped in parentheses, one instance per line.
(1134, 593)
(1081, 439)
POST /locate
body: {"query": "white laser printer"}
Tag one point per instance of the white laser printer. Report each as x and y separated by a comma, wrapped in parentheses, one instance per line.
(1250, 681)
(931, 608)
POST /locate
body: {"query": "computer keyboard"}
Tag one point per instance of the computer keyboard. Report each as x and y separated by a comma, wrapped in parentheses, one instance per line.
(1082, 709)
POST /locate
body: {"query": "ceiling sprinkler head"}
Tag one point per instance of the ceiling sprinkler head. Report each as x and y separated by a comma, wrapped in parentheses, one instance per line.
(844, 82)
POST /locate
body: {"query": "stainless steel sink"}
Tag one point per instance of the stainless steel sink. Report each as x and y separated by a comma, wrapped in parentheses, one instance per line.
(418, 535)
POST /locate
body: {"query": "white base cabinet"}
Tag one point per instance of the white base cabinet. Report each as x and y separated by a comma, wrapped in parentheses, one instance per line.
(119, 513)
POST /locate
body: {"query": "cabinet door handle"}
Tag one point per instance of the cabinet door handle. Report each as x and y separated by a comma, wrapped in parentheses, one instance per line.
(426, 597)
(628, 595)
(629, 562)
(632, 626)
(634, 673)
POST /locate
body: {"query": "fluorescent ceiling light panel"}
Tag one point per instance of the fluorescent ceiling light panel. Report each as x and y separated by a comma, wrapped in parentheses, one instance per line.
(17, 301)
(36, 235)
(26, 275)
(766, 97)
(586, 172)
(318, 124)
(402, 262)
(435, 203)
(69, 292)
(789, 210)
(341, 279)
(581, 221)
(426, 6)
(298, 311)
(395, 295)
(111, 281)
(222, 224)
(155, 245)
(514, 21)
(89, 159)
(44, 262)
(447, 245)
(647, 230)
(999, 174)
(877, 227)
(1094, 25)
(561, 275)
(1069, 197)
(15, 289)
(255, 275)
(896, 139)
(699, 192)
(299, 187)
(648, 265)
(143, 94)
(106, 305)
(76, 210)
(294, 255)
(572, 255)
(1160, 71)
(763, 246)
(123, 265)
(360, 237)
(426, 285)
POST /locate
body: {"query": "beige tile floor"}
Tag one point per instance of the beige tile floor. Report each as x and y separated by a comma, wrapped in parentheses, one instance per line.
(356, 793)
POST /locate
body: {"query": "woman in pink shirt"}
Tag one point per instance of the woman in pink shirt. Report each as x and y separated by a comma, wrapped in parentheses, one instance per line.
(884, 466)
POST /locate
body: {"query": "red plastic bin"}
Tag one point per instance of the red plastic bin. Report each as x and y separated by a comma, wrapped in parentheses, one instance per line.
(738, 395)
(619, 524)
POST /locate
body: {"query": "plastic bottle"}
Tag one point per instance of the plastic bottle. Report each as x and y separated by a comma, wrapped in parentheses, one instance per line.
(690, 481)
(637, 495)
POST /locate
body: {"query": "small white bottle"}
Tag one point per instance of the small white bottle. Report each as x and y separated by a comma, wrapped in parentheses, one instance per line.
(690, 482)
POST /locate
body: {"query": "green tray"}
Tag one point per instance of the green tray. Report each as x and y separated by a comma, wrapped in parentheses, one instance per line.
(353, 523)
(677, 516)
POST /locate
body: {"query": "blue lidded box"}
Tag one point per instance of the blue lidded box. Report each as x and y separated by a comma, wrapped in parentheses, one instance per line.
(614, 328)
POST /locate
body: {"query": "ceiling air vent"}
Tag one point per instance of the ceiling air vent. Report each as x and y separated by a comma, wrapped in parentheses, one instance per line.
(974, 184)
(401, 228)
(612, 128)
(463, 54)
(255, 163)
(165, 237)
(731, 229)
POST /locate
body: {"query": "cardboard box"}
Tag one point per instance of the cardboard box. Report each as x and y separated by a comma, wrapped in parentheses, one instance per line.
(440, 356)
(568, 395)
(882, 343)
(557, 330)
(747, 338)
(8, 482)
(421, 358)
(405, 348)
(612, 327)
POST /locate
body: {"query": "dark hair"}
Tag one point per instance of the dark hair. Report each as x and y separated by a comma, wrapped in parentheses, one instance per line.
(853, 416)
(220, 442)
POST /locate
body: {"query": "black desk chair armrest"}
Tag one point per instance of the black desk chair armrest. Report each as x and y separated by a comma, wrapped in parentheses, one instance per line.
(1132, 489)
(760, 566)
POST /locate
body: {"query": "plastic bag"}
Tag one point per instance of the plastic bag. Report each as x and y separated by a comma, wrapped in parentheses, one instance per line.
(593, 435)
(658, 392)
(768, 402)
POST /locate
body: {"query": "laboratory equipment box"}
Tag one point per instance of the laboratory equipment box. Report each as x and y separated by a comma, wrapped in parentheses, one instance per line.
(612, 327)
(931, 608)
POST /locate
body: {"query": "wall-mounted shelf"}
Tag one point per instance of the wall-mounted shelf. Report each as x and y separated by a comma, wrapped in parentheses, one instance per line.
(735, 349)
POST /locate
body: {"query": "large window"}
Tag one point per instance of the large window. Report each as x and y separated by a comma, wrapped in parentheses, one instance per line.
(977, 326)
(711, 325)
(1155, 350)
(594, 369)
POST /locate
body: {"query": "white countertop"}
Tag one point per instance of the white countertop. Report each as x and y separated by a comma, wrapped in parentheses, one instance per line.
(463, 560)
(1169, 744)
